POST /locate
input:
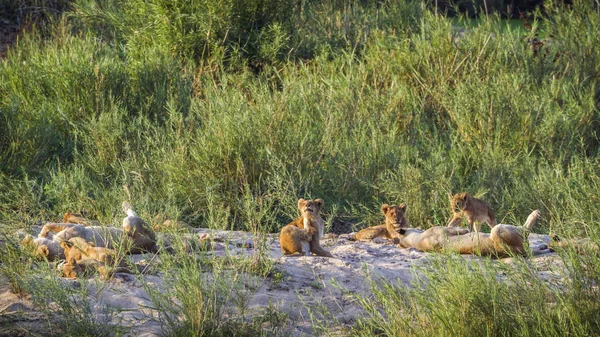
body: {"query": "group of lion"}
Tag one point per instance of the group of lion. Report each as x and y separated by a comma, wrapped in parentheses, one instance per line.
(302, 236)
(88, 248)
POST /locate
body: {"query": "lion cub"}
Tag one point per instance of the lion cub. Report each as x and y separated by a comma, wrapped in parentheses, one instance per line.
(42, 247)
(303, 235)
(78, 249)
(394, 220)
(476, 210)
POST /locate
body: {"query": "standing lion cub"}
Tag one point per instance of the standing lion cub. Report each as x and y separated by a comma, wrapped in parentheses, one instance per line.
(476, 210)
(303, 235)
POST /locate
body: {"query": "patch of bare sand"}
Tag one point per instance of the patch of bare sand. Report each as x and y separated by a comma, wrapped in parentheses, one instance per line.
(311, 291)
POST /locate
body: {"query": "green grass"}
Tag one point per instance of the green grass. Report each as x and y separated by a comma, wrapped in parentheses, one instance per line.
(222, 114)
(458, 297)
(396, 113)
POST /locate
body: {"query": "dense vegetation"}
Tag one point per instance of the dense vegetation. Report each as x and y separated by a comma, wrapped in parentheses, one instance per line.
(188, 107)
(223, 113)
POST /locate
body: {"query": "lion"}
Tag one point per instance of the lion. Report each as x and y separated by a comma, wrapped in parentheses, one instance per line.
(303, 235)
(476, 210)
(87, 266)
(394, 220)
(504, 240)
(135, 236)
(43, 248)
(581, 246)
(162, 223)
(77, 248)
(77, 218)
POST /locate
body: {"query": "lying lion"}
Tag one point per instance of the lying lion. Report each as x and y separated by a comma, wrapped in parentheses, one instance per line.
(78, 248)
(135, 236)
(87, 267)
(43, 248)
(504, 240)
(83, 259)
(394, 221)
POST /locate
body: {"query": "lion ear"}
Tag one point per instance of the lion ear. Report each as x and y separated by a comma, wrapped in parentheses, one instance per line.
(301, 202)
(320, 203)
(464, 196)
(43, 250)
(385, 208)
(27, 240)
(402, 207)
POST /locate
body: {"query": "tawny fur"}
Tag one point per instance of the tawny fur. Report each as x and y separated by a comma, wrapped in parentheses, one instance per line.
(581, 246)
(476, 210)
(87, 266)
(78, 219)
(303, 235)
(43, 248)
(134, 236)
(77, 248)
(504, 240)
(394, 220)
(162, 223)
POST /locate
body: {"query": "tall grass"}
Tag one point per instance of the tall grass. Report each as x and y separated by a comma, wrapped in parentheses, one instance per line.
(461, 298)
(208, 296)
(358, 103)
(223, 113)
(68, 306)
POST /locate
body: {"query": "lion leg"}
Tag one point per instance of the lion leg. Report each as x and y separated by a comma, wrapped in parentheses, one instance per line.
(292, 238)
(369, 233)
(531, 220)
(471, 225)
(508, 239)
(316, 249)
(456, 231)
(53, 227)
(455, 221)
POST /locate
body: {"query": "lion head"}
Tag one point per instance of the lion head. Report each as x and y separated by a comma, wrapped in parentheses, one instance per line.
(394, 216)
(310, 208)
(459, 201)
(75, 218)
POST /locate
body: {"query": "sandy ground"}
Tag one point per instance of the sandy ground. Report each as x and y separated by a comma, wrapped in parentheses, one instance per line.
(323, 284)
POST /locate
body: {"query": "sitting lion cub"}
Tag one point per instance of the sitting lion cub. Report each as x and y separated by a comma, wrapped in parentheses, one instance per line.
(304, 234)
(394, 221)
(476, 210)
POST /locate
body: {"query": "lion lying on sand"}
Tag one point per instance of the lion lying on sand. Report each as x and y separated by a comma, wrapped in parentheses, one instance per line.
(134, 236)
(83, 258)
(504, 240)
(394, 221)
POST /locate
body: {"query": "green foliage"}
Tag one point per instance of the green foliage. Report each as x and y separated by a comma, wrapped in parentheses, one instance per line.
(209, 296)
(19, 12)
(12, 259)
(461, 298)
(69, 306)
(358, 103)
